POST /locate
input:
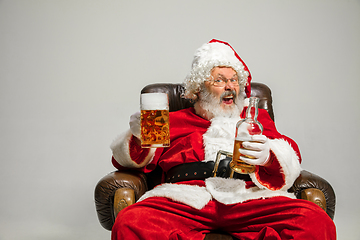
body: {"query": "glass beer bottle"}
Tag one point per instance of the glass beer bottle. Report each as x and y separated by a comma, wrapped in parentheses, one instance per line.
(245, 128)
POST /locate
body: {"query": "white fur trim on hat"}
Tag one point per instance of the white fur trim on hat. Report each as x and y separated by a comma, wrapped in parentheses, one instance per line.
(216, 54)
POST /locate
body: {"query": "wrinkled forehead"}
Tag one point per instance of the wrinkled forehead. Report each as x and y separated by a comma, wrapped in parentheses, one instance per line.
(223, 72)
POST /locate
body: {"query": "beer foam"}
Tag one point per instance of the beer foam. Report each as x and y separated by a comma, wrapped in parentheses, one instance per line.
(154, 101)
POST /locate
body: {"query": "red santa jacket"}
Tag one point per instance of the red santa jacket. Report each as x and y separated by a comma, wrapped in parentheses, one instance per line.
(196, 139)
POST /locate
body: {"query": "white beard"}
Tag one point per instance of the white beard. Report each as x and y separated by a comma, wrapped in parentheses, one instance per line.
(221, 133)
(212, 105)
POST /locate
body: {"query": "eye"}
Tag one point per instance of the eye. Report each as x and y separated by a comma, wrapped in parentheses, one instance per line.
(233, 80)
(218, 80)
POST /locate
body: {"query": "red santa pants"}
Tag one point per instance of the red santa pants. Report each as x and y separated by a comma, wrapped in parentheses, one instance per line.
(272, 219)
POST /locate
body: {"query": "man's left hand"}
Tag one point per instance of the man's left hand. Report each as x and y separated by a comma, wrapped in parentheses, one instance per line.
(257, 152)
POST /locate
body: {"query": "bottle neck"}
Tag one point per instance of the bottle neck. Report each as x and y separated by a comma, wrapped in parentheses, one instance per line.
(252, 111)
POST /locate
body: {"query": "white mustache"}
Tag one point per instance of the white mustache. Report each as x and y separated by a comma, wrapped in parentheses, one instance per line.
(229, 93)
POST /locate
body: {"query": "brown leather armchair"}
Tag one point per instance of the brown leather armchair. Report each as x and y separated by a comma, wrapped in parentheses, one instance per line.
(118, 190)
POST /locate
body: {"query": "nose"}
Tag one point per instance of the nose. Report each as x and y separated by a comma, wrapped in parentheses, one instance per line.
(229, 85)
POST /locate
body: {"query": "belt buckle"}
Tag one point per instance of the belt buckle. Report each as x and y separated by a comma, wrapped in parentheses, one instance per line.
(217, 161)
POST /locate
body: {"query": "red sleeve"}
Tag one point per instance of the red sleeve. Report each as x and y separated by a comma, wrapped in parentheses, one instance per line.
(285, 157)
(137, 153)
(269, 130)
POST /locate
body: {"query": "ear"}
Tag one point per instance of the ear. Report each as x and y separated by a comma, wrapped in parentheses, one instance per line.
(196, 96)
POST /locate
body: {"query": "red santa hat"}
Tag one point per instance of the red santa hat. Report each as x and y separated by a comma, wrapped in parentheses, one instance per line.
(216, 53)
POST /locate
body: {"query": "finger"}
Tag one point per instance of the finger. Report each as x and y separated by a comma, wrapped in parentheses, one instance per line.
(249, 153)
(255, 146)
(250, 161)
(259, 138)
(135, 116)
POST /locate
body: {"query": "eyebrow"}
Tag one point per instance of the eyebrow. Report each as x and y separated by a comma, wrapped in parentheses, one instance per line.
(220, 75)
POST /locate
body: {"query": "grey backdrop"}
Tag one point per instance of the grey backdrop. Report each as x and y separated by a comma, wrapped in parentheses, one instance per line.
(71, 72)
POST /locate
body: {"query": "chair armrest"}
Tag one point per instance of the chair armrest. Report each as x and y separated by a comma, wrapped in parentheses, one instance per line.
(123, 187)
(311, 187)
(123, 197)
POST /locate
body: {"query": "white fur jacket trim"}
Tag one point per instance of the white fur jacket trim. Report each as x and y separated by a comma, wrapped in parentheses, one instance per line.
(219, 136)
(224, 190)
(121, 152)
(191, 195)
(230, 191)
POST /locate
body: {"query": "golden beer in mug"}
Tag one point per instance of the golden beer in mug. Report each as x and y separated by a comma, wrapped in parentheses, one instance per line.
(154, 121)
(155, 128)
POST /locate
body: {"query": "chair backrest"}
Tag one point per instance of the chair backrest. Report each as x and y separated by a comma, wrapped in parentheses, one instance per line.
(177, 102)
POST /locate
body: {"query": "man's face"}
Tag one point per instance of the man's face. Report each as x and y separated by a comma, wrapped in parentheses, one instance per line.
(220, 94)
(225, 94)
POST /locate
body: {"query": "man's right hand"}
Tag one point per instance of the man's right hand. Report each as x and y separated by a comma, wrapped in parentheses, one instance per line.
(135, 124)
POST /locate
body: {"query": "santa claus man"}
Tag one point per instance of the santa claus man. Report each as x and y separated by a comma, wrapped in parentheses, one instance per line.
(190, 202)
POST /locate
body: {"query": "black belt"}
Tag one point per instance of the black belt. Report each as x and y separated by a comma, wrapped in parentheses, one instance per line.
(201, 171)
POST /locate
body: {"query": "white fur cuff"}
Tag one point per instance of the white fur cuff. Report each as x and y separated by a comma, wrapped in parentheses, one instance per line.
(121, 151)
(288, 160)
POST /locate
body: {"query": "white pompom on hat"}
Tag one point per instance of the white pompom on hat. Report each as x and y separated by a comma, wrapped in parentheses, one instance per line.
(216, 53)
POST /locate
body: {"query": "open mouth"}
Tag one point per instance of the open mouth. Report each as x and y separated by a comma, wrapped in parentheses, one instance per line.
(228, 99)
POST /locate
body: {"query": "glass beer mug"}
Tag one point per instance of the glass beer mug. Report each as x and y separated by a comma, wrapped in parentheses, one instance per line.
(154, 120)
(245, 128)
